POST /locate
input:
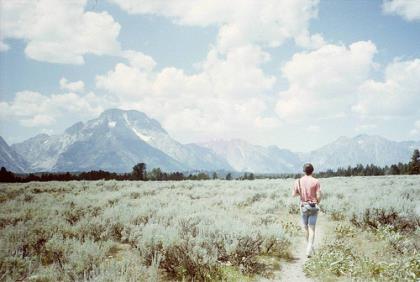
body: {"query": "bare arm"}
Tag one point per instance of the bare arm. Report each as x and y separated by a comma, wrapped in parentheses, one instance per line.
(295, 191)
(318, 196)
(318, 193)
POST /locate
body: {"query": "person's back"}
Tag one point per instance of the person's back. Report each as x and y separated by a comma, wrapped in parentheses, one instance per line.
(307, 187)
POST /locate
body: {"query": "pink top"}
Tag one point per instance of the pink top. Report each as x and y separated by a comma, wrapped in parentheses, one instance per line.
(309, 186)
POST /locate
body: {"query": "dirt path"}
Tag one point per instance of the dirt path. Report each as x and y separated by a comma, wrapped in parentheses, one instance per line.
(292, 270)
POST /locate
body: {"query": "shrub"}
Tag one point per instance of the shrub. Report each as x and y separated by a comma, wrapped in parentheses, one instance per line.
(293, 208)
(82, 258)
(375, 217)
(344, 230)
(336, 258)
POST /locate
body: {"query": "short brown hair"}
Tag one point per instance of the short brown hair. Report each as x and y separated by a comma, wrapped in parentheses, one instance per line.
(308, 168)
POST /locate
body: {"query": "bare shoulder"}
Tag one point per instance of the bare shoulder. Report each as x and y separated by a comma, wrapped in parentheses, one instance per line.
(316, 180)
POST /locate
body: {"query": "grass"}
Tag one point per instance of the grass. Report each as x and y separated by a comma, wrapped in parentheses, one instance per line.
(204, 230)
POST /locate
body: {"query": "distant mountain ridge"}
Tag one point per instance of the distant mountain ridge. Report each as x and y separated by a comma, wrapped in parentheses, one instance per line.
(361, 149)
(114, 141)
(243, 156)
(10, 159)
(118, 139)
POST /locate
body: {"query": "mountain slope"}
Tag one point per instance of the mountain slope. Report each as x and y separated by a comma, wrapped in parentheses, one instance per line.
(362, 149)
(11, 160)
(190, 155)
(114, 141)
(243, 156)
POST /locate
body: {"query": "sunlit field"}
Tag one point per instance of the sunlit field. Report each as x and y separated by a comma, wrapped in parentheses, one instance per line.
(206, 230)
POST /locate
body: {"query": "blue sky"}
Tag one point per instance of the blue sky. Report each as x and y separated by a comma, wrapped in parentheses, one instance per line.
(207, 70)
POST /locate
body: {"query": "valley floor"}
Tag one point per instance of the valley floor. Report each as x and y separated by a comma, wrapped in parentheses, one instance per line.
(368, 230)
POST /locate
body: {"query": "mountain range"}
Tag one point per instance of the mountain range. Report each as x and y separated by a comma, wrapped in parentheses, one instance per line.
(118, 139)
(10, 159)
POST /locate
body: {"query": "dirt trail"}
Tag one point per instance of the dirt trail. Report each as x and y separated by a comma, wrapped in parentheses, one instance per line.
(292, 270)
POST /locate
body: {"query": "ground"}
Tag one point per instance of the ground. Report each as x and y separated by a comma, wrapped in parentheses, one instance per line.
(208, 230)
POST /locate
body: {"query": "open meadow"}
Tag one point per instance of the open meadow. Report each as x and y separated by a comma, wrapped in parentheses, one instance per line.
(368, 230)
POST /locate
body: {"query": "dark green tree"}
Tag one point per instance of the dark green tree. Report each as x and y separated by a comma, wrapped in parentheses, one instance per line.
(6, 176)
(214, 175)
(414, 164)
(229, 176)
(394, 170)
(202, 176)
(139, 171)
(155, 174)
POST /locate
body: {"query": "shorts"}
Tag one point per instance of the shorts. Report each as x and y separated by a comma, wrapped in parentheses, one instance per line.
(309, 219)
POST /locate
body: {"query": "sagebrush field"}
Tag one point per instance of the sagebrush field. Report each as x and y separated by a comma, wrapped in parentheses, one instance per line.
(206, 230)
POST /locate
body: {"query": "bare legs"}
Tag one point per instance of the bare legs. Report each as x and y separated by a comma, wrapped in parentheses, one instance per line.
(310, 237)
(308, 224)
(306, 232)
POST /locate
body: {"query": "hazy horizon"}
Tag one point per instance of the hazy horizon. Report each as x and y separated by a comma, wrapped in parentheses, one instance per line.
(223, 139)
(237, 70)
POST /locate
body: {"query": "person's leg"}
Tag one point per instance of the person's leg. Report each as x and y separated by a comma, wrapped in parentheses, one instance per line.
(311, 234)
(311, 238)
(305, 226)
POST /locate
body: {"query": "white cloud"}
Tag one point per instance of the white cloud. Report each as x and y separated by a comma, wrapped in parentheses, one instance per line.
(37, 121)
(313, 129)
(365, 127)
(240, 22)
(127, 81)
(76, 86)
(139, 60)
(397, 95)
(416, 130)
(408, 9)
(32, 109)
(228, 94)
(3, 46)
(322, 82)
(59, 31)
(267, 122)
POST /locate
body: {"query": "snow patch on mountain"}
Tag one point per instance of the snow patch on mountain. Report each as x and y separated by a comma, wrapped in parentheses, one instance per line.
(142, 136)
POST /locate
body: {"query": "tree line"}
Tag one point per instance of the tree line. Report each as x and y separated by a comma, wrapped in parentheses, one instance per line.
(139, 172)
(412, 167)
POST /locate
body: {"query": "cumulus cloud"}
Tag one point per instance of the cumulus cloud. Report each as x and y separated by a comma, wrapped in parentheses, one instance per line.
(33, 109)
(313, 129)
(240, 22)
(396, 95)
(408, 9)
(229, 92)
(76, 86)
(365, 127)
(37, 120)
(139, 60)
(416, 130)
(59, 31)
(3, 46)
(323, 82)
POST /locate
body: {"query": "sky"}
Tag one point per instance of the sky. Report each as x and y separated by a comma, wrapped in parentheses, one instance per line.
(293, 73)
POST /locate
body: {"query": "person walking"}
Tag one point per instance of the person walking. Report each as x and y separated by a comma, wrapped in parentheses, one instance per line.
(309, 190)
